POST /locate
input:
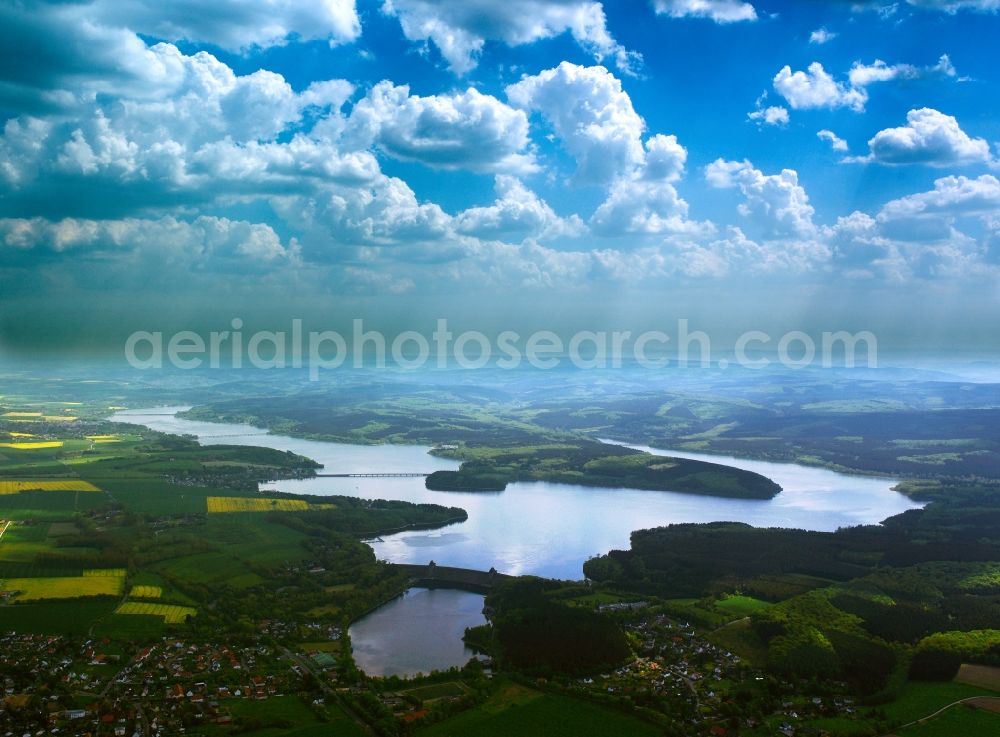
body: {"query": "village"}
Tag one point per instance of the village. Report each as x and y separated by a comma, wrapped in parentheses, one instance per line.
(688, 679)
(94, 688)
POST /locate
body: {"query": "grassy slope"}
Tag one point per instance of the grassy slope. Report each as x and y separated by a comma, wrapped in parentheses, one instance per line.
(527, 713)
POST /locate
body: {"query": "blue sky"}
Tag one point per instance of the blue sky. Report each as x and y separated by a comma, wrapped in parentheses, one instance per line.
(728, 160)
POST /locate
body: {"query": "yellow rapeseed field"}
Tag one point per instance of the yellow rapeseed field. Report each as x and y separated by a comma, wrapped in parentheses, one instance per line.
(33, 446)
(13, 487)
(171, 613)
(146, 592)
(104, 573)
(254, 504)
(22, 414)
(63, 587)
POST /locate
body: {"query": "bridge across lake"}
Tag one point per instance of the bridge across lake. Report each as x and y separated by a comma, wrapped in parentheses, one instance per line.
(371, 475)
(467, 579)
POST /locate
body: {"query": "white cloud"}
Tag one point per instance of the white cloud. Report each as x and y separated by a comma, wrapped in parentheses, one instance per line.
(945, 232)
(468, 130)
(953, 6)
(232, 24)
(592, 117)
(721, 11)
(929, 137)
(645, 201)
(594, 120)
(836, 142)
(862, 75)
(821, 36)
(775, 203)
(860, 251)
(459, 29)
(815, 88)
(385, 212)
(517, 213)
(192, 244)
(771, 115)
(951, 197)
(79, 49)
(201, 132)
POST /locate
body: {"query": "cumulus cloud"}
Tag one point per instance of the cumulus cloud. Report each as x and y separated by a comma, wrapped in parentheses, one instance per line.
(591, 114)
(517, 214)
(771, 115)
(929, 137)
(952, 197)
(634, 206)
(84, 48)
(177, 246)
(862, 75)
(384, 212)
(944, 232)
(776, 203)
(213, 133)
(467, 130)
(721, 11)
(821, 36)
(836, 142)
(121, 145)
(644, 200)
(815, 88)
(232, 24)
(594, 120)
(459, 29)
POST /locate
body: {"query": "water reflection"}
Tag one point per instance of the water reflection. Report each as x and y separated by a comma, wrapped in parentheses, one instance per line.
(418, 632)
(550, 529)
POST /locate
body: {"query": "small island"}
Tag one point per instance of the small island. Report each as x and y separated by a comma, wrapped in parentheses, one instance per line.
(595, 464)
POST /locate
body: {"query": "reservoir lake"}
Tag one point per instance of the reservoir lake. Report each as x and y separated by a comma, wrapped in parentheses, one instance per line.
(534, 528)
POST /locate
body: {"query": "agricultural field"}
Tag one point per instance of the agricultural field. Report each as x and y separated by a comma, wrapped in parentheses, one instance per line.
(281, 712)
(528, 713)
(434, 691)
(16, 487)
(145, 592)
(54, 505)
(171, 613)
(958, 720)
(67, 617)
(741, 606)
(63, 587)
(919, 700)
(983, 676)
(212, 569)
(39, 445)
(226, 504)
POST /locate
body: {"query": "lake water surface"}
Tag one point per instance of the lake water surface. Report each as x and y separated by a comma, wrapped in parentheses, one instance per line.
(534, 528)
